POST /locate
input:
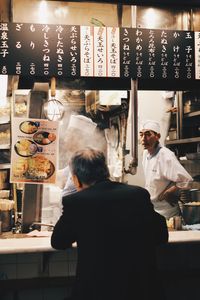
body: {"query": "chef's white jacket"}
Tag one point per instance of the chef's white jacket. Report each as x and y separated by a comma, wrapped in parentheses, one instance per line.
(69, 187)
(161, 169)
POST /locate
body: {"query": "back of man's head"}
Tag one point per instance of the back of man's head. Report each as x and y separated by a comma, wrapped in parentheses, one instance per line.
(89, 166)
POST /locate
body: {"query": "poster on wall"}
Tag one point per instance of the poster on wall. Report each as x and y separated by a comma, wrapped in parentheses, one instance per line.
(34, 151)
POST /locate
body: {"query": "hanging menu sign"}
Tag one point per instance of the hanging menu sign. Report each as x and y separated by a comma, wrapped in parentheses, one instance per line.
(127, 53)
(86, 51)
(87, 59)
(73, 51)
(39, 50)
(164, 54)
(113, 58)
(197, 55)
(100, 51)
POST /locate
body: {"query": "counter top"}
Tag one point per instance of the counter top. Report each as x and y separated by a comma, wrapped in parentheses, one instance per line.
(18, 244)
(25, 245)
(183, 236)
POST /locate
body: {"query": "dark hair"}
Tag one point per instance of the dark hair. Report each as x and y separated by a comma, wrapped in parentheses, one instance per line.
(89, 165)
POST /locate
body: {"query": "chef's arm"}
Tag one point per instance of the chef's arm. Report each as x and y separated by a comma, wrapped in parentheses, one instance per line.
(170, 194)
(60, 179)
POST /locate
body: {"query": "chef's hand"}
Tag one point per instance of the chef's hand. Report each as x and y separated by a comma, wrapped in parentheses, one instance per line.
(170, 195)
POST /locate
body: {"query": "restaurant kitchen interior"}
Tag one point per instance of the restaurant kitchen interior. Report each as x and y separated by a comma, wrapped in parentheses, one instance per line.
(117, 89)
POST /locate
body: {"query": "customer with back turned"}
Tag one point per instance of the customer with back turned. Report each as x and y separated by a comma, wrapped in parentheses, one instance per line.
(163, 172)
(116, 230)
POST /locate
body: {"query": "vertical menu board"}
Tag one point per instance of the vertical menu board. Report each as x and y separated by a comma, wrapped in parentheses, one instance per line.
(197, 55)
(127, 53)
(72, 51)
(100, 52)
(86, 45)
(113, 53)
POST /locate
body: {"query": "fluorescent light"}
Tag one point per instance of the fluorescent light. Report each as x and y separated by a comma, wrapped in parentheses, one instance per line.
(43, 12)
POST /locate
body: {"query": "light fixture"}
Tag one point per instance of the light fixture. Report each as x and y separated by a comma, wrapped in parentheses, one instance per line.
(151, 18)
(53, 109)
(43, 12)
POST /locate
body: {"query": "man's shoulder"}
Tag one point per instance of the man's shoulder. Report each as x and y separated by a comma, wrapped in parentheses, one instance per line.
(69, 198)
(125, 187)
(166, 152)
(137, 189)
(106, 186)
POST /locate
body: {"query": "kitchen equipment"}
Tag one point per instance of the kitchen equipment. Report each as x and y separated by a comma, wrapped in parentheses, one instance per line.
(191, 213)
(194, 195)
(177, 222)
(172, 134)
(195, 155)
(53, 109)
(6, 220)
(4, 179)
(6, 214)
(4, 194)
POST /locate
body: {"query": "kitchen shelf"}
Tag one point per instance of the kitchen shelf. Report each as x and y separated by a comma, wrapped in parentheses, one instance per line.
(4, 147)
(192, 114)
(4, 166)
(4, 122)
(183, 141)
(190, 161)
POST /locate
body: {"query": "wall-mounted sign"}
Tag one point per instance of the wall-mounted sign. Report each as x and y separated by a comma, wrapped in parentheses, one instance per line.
(85, 51)
(100, 52)
(197, 55)
(164, 54)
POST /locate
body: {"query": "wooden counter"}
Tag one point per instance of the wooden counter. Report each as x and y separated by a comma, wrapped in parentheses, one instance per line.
(30, 265)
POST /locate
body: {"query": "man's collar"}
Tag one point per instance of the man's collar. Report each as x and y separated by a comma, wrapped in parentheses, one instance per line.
(156, 150)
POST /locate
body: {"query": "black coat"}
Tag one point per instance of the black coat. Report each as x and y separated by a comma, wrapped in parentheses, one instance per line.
(117, 231)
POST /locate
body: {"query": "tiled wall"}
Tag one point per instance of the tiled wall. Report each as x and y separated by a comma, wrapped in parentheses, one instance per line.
(34, 265)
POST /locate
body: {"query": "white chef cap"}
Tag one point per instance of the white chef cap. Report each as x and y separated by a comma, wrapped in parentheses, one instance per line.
(82, 123)
(151, 125)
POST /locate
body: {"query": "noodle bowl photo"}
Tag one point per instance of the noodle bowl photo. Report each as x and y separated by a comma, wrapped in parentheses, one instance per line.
(34, 168)
(28, 127)
(25, 148)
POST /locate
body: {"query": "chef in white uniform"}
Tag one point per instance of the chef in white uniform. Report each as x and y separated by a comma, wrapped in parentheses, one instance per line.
(163, 172)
